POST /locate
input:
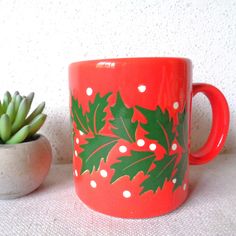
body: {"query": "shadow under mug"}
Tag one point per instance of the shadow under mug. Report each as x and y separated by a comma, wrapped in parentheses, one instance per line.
(131, 127)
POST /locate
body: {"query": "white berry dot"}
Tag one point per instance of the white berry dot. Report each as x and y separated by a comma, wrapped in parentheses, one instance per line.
(152, 146)
(76, 173)
(76, 153)
(140, 142)
(127, 194)
(89, 91)
(175, 105)
(174, 180)
(184, 187)
(93, 184)
(174, 146)
(77, 141)
(141, 88)
(81, 132)
(123, 149)
(103, 173)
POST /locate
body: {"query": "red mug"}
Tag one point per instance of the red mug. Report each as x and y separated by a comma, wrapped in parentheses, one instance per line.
(131, 127)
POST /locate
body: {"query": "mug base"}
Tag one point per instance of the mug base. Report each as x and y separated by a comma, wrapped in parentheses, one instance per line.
(134, 211)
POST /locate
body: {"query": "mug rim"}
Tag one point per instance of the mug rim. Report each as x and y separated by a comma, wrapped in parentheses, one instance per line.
(132, 59)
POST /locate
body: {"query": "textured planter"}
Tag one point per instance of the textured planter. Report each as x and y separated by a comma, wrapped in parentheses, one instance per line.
(23, 167)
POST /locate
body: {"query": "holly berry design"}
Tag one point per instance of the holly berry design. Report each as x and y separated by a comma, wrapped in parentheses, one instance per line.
(158, 128)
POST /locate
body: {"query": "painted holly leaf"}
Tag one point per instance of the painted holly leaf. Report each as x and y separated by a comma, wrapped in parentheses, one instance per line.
(132, 165)
(161, 173)
(96, 149)
(181, 170)
(182, 129)
(122, 122)
(159, 126)
(79, 118)
(96, 114)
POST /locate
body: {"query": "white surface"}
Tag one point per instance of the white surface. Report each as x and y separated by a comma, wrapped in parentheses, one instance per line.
(54, 209)
(38, 39)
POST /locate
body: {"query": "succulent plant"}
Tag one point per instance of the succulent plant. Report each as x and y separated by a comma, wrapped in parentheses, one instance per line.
(16, 124)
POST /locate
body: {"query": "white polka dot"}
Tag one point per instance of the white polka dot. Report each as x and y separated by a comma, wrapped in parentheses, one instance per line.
(174, 146)
(174, 180)
(89, 91)
(103, 173)
(184, 187)
(81, 132)
(123, 149)
(141, 88)
(77, 140)
(140, 142)
(175, 105)
(152, 146)
(127, 194)
(76, 173)
(76, 153)
(93, 184)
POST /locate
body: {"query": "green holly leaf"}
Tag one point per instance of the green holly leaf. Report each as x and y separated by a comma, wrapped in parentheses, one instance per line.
(79, 118)
(182, 129)
(132, 165)
(181, 170)
(96, 114)
(159, 126)
(161, 173)
(122, 122)
(96, 149)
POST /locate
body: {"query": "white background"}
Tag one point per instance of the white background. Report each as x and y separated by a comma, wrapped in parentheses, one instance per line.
(38, 40)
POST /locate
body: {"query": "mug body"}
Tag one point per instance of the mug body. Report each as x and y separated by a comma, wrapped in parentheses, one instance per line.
(130, 121)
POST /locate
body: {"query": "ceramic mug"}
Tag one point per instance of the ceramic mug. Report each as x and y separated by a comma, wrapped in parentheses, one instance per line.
(131, 128)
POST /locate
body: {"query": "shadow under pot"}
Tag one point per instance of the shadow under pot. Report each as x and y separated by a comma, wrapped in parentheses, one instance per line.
(24, 166)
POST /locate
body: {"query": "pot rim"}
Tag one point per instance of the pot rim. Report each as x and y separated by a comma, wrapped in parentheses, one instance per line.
(37, 138)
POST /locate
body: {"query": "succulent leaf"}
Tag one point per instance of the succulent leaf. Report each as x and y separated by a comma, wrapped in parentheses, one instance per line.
(5, 127)
(36, 123)
(6, 100)
(21, 115)
(17, 102)
(30, 97)
(14, 95)
(11, 111)
(19, 136)
(37, 111)
(1, 108)
(15, 123)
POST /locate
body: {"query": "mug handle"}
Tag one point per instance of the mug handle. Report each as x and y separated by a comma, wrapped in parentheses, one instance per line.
(220, 124)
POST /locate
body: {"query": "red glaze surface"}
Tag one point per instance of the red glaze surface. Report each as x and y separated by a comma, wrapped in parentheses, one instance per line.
(148, 83)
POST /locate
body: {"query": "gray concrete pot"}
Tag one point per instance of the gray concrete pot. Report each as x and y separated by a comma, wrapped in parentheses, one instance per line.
(23, 167)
